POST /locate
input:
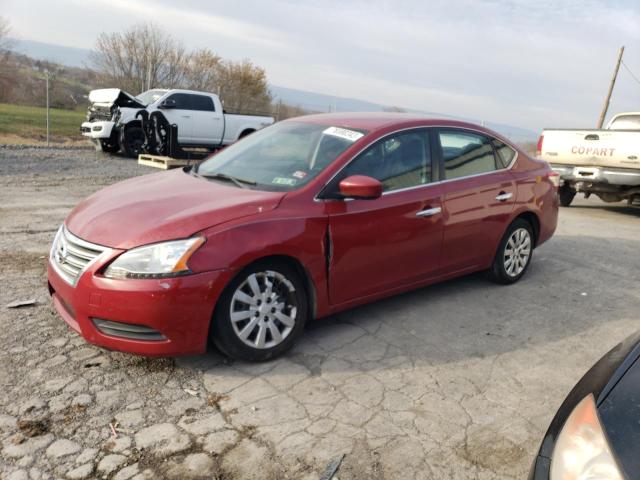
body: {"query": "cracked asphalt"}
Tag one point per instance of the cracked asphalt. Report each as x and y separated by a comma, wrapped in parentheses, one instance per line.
(457, 380)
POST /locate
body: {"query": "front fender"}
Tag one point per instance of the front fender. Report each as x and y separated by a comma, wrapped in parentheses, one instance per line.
(236, 246)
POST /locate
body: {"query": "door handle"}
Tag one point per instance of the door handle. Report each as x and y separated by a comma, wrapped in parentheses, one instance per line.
(504, 196)
(185, 116)
(428, 212)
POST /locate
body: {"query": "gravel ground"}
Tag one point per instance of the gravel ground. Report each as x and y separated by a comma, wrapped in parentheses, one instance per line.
(457, 380)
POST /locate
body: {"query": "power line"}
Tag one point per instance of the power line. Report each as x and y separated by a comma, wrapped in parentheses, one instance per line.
(630, 72)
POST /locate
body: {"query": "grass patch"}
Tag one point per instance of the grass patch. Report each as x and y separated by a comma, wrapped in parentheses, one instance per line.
(31, 122)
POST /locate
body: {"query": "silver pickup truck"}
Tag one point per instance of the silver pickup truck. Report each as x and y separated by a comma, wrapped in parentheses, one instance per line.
(115, 119)
(603, 162)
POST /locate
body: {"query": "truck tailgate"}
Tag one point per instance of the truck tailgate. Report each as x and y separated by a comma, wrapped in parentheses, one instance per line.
(602, 148)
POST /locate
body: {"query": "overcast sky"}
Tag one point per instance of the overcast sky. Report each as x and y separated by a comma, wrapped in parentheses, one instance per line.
(527, 63)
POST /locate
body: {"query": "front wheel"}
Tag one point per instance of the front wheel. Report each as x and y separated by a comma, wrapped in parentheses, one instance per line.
(514, 253)
(132, 141)
(261, 312)
(108, 146)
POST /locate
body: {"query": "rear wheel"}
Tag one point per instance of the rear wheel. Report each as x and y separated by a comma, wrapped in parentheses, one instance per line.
(566, 194)
(514, 253)
(131, 141)
(261, 313)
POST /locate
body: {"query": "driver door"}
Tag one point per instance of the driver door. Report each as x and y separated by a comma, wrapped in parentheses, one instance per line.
(394, 240)
(181, 114)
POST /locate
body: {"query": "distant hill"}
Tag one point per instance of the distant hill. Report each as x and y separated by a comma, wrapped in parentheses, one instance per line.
(312, 101)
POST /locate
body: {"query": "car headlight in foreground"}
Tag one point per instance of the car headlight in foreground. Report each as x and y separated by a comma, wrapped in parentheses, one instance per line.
(160, 260)
(582, 450)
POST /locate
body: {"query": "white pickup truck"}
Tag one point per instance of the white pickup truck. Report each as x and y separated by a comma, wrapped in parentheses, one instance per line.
(603, 162)
(115, 120)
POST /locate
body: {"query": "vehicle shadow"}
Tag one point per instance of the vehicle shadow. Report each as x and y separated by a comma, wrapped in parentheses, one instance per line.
(622, 209)
(560, 296)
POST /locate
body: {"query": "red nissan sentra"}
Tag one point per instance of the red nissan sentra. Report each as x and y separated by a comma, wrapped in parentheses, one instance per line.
(299, 220)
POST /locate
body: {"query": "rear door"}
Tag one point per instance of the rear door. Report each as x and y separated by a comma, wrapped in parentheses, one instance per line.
(182, 115)
(207, 122)
(394, 240)
(478, 196)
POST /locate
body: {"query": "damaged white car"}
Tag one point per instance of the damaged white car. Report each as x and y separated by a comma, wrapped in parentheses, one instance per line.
(117, 121)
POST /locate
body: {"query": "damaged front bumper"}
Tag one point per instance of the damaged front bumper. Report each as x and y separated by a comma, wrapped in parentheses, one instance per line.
(97, 130)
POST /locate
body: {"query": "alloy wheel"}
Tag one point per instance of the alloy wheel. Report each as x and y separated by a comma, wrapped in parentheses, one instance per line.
(263, 309)
(517, 252)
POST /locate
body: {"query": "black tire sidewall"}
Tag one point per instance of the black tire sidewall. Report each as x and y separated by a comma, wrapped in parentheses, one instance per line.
(498, 272)
(566, 195)
(125, 139)
(224, 337)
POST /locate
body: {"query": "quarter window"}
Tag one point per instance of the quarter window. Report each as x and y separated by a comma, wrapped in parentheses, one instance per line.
(399, 161)
(466, 153)
(505, 153)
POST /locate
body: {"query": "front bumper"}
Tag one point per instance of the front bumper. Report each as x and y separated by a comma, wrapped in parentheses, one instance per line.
(597, 175)
(97, 130)
(180, 309)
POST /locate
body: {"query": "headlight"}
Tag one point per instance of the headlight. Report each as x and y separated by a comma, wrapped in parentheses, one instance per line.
(167, 259)
(582, 451)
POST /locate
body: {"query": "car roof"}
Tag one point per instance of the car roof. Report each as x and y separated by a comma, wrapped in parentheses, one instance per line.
(372, 121)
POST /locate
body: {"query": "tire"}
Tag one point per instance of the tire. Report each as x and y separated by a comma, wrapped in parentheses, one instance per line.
(132, 141)
(566, 195)
(509, 268)
(249, 320)
(107, 146)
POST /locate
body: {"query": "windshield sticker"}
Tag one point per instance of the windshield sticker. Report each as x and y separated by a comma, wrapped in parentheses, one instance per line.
(284, 181)
(350, 135)
(299, 174)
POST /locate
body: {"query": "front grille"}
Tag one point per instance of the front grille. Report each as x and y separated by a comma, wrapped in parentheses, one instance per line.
(128, 330)
(71, 255)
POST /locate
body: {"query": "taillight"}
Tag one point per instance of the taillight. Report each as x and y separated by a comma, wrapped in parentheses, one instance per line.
(554, 178)
(539, 147)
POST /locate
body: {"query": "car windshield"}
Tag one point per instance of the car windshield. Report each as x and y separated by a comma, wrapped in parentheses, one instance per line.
(282, 157)
(150, 96)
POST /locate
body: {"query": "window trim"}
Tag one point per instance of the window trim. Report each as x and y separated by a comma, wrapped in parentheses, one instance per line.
(437, 166)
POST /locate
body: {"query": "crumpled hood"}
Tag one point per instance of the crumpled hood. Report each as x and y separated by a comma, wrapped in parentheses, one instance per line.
(110, 96)
(162, 206)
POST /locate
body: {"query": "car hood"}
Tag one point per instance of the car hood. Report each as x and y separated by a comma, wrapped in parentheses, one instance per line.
(111, 96)
(162, 206)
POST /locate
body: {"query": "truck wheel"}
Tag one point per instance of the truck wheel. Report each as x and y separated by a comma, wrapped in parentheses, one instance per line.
(514, 253)
(261, 312)
(131, 141)
(108, 146)
(566, 194)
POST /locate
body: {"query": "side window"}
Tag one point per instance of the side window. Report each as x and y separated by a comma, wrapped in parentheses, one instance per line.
(182, 101)
(466, 153)
(506, 154)
(202, 103)
(399, 161)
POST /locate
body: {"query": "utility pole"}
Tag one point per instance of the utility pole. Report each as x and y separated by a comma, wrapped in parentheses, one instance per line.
(613, 82)
(46, 77)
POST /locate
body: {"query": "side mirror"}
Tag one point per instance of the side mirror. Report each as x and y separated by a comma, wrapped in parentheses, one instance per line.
(168, 103)
(360, 187)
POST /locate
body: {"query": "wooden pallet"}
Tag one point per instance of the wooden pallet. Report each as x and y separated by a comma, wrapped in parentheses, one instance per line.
(165, 163)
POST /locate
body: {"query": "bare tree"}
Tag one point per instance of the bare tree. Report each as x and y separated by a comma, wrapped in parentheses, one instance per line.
(203, 71)
(7, 73)
(140, 58)
(244, 87)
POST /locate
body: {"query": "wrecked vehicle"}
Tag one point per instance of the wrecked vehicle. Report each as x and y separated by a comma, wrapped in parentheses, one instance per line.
(117, 121)
(603, 162)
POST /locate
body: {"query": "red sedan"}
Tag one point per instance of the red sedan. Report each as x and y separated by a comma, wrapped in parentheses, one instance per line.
(299, 220)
